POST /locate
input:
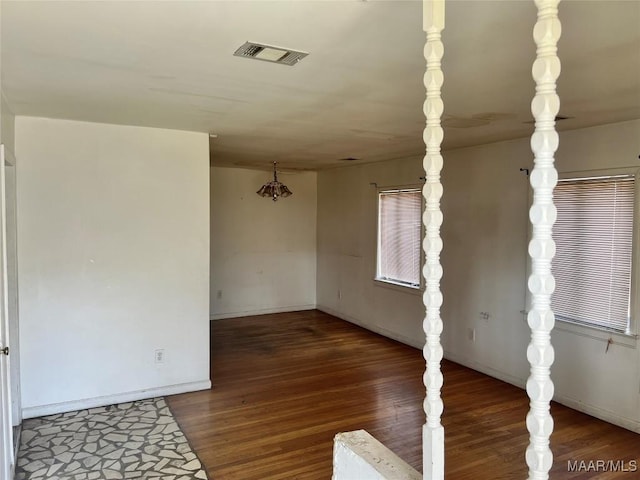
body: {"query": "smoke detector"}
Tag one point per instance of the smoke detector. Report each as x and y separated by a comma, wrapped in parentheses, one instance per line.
(270, 53)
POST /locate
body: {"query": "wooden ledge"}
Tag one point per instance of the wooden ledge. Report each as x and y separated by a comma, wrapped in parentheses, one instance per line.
(358, 455)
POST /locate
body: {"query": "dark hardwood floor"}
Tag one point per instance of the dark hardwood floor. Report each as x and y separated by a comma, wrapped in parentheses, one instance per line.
(285, 384)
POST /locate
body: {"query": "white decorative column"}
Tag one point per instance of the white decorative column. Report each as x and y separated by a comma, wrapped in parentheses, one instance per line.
(433, 431)
(544, 143)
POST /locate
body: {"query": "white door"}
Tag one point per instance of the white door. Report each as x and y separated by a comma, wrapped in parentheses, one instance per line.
(6, 437)
(11, 248)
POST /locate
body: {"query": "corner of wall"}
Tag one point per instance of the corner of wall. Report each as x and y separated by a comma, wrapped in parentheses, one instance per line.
(263, 253)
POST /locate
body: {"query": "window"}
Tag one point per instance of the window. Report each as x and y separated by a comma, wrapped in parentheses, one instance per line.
(593, 262)
(399, 235)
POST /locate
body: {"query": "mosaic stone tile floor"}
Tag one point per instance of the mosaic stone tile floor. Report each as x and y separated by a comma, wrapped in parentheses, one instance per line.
(137, 440)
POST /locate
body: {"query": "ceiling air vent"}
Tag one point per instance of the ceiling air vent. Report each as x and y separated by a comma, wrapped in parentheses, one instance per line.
(269, 53)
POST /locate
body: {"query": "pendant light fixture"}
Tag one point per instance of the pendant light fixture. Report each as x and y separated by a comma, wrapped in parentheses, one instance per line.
(274, 189)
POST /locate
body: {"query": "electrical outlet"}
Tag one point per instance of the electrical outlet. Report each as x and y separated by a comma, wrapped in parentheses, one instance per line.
(159, 355)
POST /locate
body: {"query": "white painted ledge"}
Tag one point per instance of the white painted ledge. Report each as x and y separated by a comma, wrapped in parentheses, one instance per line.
(357, 455)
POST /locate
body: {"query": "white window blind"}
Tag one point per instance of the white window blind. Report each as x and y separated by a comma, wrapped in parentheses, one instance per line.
(592, 266)
(399, 232)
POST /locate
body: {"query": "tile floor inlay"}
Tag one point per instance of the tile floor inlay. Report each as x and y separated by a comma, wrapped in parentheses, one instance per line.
(136, 440)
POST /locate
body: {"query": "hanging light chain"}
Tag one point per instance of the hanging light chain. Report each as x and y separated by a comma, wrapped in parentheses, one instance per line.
(274, 189)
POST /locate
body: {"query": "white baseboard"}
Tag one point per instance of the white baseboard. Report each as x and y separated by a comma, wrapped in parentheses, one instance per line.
(492, 372)
(606, 415)
(53, 408)
(261, 311)
(412, 342)
(594, 411)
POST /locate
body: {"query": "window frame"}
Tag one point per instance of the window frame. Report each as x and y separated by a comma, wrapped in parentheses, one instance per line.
(596, 331)
(385, 282)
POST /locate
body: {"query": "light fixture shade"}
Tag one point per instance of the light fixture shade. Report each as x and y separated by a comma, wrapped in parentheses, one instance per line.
(274, 189)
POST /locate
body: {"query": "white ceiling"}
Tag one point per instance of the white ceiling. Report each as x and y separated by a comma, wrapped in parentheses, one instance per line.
(359, 93)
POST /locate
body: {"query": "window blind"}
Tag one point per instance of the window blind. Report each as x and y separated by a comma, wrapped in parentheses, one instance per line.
(399, 236)
(592, 266)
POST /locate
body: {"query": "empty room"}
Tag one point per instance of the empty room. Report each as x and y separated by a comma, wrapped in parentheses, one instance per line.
(357, 239)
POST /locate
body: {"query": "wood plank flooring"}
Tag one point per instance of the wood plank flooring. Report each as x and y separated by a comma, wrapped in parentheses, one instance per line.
(285, 384)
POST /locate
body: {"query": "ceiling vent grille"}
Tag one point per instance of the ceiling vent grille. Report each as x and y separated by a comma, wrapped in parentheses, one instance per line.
(269, 53)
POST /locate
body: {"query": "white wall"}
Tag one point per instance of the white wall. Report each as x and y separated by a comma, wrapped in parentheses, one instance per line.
(113, 251)
(485, 231)
(606, 384)
(484, 257)
(347, 225)
(263, 253)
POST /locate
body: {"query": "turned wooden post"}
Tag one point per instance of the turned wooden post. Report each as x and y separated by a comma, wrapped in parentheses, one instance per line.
(433, 431)
(544, 142)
